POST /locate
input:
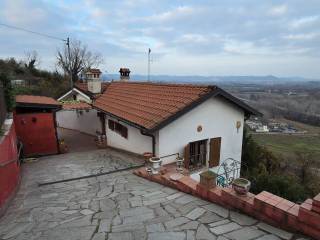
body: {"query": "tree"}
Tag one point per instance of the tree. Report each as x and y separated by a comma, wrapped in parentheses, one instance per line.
(32, 60)
(79, 58)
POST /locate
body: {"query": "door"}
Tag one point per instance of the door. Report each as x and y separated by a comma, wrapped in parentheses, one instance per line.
(215, 149)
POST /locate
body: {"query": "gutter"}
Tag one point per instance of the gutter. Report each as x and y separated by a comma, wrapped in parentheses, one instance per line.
(153, 141)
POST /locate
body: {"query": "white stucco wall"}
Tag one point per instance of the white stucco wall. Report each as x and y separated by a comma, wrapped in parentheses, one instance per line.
(88, 122)
(136, 142)
(81, 98)
(218, 119)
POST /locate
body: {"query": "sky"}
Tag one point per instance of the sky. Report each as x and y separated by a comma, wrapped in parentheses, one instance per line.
(190, 37)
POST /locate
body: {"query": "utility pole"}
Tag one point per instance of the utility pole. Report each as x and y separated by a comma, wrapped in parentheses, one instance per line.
(149, 51)
(69, 56)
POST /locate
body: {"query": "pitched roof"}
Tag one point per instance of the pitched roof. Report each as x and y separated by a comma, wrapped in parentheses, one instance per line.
(94, 70)
(84, 87)
(150, 106)
(76, 106)
(36, 100)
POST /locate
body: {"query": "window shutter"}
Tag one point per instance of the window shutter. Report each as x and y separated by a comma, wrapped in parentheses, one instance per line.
(187, 156)
(111, 124)
(215, 148)
(124, 132)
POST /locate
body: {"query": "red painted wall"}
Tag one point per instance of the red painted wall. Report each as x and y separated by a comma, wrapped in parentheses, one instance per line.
(37, 132)
(9, 167)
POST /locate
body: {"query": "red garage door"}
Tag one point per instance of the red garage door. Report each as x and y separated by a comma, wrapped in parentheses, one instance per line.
(37, 132)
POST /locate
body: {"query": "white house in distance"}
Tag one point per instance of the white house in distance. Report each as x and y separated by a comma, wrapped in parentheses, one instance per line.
(202, 123)
(77, 112)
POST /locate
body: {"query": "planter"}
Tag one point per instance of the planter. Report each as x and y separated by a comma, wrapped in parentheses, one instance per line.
(241, 186)
(208, 179)
(156, 164)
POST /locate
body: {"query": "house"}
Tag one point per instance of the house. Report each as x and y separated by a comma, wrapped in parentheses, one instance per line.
(88, 89)
(77, 113)
(35, 123)
(202, 123)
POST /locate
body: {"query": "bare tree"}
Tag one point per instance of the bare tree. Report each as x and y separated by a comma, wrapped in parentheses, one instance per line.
(32, 60)
(78, 59)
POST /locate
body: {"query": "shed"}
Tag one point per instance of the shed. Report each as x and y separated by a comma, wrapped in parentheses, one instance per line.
(35, 122)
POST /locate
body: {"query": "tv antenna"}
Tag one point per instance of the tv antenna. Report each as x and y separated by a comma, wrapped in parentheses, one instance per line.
(149, 61)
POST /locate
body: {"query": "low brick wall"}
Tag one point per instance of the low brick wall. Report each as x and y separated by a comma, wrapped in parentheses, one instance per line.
(276, 211)
(9, 166)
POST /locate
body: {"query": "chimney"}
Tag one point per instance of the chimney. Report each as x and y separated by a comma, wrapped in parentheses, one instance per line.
(93, 80)
(124, 74)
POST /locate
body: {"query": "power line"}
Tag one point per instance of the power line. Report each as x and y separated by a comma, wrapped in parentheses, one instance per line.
(33, 32)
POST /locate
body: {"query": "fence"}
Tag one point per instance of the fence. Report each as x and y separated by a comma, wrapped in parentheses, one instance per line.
(3, 109)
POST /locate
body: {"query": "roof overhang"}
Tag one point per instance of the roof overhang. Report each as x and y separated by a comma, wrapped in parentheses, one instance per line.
(37, 105)
(248, 110)
(214, 93)
(77, 90)
(122, 119)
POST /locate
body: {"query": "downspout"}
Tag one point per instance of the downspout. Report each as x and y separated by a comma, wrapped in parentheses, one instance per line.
(153, 141)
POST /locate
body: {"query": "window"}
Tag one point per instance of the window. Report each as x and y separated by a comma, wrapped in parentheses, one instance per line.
(118, 128)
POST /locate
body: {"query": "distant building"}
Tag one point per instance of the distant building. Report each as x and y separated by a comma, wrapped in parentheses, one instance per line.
(262, 129)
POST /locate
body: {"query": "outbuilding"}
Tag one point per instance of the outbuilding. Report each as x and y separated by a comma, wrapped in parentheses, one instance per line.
(35, 122)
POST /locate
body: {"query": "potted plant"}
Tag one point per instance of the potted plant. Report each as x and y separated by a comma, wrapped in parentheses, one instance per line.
(241, 186)
(63, 148)
(208, 179)
(156, 164)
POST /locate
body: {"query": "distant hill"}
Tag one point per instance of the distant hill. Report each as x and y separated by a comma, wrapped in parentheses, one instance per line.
(266, 80)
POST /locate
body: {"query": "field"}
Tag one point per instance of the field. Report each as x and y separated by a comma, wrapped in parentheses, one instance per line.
(287, 145)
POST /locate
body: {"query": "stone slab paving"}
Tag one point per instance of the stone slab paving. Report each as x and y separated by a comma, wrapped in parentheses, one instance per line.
(120, 206)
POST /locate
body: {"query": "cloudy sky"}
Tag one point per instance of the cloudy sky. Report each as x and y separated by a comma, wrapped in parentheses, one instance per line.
(190, 37)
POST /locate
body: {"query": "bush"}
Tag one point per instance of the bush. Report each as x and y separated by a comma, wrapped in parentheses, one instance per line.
(262, 168)
(285, 186)
(8, 91)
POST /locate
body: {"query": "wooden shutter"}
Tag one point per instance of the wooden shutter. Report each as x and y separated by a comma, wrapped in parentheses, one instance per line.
(124, 132)
(111, 124)
(187, 156)
(215, 148)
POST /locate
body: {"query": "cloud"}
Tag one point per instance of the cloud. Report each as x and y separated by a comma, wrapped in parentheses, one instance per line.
(19, 13)
(304, 21)
(302, 36)
(207, 32)
(174, 14)
(278, 10)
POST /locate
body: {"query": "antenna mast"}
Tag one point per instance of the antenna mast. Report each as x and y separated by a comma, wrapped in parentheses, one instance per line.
(149, 51)
(69, 56)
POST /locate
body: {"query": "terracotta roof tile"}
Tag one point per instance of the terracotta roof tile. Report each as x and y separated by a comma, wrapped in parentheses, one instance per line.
(148, 104)
(30, 99)
(94, 70)
(76, 106)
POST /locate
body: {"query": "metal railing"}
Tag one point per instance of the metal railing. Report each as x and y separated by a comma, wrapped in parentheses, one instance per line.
(3, 108)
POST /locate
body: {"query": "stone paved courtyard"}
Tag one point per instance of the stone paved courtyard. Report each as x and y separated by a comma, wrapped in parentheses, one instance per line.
(118, 206)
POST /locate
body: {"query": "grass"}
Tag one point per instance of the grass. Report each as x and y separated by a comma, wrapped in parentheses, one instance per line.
(287, 145)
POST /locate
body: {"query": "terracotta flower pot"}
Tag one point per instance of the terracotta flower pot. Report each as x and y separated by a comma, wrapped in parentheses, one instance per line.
(208, 179)
(241, 186)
